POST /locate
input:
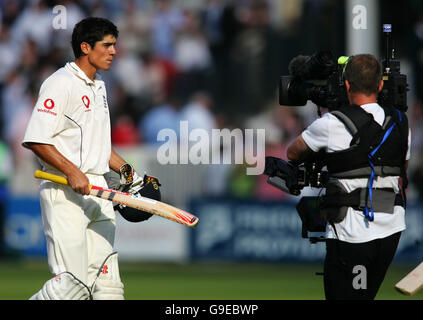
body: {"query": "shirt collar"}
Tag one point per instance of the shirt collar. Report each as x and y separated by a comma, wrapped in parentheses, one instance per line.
(369, 105)
(73, 67)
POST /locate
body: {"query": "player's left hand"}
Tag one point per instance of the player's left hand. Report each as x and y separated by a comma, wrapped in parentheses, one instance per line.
(130, 181)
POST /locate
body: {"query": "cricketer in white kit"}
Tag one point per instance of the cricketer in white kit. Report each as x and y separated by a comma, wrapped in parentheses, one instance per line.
(69, 131)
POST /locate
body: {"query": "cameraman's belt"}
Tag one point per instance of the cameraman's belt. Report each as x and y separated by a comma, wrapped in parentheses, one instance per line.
(366, 171)
(384, 200)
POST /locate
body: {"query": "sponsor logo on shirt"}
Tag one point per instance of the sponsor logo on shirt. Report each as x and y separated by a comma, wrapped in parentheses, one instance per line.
(48, 105)
(86, 102)
(105, 269)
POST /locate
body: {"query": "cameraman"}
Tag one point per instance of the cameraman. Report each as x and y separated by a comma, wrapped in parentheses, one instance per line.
(363, 242)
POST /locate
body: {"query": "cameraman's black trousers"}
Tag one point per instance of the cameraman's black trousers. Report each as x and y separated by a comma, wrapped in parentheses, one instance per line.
(355, 271)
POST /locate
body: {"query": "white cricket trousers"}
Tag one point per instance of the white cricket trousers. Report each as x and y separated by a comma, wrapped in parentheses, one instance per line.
(79, 230)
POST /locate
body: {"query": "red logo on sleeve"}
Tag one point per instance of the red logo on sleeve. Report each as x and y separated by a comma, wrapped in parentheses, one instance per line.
(49, 104)
(86, 101)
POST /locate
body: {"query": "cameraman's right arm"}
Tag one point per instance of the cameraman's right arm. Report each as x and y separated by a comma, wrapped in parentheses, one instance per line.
(298, 150)
(312, 139)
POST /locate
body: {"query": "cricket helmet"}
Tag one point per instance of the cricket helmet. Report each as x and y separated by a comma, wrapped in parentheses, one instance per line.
(150, 189)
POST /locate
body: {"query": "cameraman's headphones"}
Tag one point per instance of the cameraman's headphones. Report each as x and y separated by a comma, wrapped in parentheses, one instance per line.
(343, 60)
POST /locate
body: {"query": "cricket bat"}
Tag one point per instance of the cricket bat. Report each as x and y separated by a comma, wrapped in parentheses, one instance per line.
(159, 208)
(412, 282)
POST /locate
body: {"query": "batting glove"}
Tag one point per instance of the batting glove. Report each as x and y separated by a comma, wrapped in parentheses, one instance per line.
(130, 181)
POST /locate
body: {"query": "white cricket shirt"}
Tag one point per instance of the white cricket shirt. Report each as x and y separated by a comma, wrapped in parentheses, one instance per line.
(72, 114)
(330, 134)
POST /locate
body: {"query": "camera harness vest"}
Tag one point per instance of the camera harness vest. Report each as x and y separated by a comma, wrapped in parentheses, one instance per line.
(374, 151)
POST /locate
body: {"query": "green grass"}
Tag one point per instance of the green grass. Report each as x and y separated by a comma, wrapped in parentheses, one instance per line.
(200, 281)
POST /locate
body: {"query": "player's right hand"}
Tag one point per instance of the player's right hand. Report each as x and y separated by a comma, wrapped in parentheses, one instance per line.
(79, 182)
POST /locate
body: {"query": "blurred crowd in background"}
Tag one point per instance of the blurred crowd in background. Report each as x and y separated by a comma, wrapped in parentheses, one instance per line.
(215, 63)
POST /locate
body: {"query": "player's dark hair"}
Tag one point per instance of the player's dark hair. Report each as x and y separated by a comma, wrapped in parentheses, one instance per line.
(363, 72)
(91, 30)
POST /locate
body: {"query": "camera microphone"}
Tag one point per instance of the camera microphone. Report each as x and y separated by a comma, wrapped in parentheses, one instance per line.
(296, 66)
(317, 66)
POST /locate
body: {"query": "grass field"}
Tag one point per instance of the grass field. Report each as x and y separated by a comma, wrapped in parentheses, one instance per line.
(200, 281)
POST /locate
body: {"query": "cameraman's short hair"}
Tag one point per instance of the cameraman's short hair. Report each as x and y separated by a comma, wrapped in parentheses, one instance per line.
(363, 72)
(91, 30)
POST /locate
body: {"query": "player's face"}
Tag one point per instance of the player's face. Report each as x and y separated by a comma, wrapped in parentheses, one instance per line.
(102, 54)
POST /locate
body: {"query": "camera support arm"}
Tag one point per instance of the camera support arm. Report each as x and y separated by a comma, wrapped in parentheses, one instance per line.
(282, 175)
